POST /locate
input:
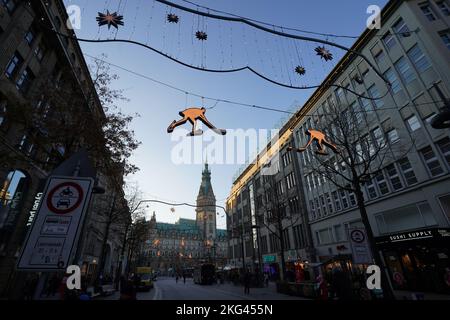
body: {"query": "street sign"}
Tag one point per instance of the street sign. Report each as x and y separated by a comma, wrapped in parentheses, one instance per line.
(360, 246)
(52, 238)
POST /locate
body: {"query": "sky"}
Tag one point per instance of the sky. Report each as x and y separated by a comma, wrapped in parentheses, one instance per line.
(229, 45)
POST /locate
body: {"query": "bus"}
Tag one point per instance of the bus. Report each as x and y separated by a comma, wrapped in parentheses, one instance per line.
(146, 275)
(205, 274)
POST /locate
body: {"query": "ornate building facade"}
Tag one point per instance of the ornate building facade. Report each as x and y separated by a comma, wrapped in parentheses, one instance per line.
(186, 243)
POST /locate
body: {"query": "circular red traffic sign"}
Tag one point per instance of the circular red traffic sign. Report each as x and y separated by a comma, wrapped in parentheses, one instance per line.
(357, 236)
(65, 197)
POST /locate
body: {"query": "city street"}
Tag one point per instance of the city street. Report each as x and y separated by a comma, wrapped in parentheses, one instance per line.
(168, 289)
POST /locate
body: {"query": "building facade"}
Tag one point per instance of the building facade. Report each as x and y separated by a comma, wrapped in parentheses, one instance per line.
(170, 248)
(32, 57)
(408, 198)
(267, 217)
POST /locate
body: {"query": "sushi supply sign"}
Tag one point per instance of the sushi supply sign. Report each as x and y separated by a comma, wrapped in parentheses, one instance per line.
(52, 238)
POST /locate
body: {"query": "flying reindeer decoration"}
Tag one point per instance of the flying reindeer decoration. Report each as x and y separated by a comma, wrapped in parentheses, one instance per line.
(192, 115)
(320, 139)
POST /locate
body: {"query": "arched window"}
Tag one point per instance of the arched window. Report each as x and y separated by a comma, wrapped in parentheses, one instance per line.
(12, 194)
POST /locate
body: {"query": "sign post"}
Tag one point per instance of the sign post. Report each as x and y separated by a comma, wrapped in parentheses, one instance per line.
(53, 236)
(360, 247)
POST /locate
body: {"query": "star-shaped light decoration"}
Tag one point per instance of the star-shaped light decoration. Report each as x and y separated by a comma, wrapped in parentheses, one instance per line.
(110, 19)
(172, 18)
(201, 35)
(324, 53)
(300, 70)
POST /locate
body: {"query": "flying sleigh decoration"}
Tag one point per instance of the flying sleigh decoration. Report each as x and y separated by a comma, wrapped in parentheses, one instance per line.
(110, 19)
(192, 115)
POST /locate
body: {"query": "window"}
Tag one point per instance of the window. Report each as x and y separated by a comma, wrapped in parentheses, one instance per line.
(324, 207)
(286, 239)
(379, 56)
(431, 161)
(413, 123)
(394, 177)
(13, 65)
(26, 144)
(287, 159)
(23, 83)
(378, 137)
(290, 181)
(293, 205)
(427, 11)
(357, 112)
(9, 5)
(389, 41)
(340, 95)
(3, 105)
(298, 236)
(405, 70)
(280, 187)
(419, 59)
(443, 7)
(324, 236)
(329, 203)
(30, 36)
(382, 184)
(392, 78)
(39, 51)
(444, 147)
(352, 197)
(371, 191)
(313, 211)
(401, 28)
(365, 103)
(393, 136)
(344, 199)
(375, 94)
(318, 210)
(408, 171)
(337, 202)
(445, 36)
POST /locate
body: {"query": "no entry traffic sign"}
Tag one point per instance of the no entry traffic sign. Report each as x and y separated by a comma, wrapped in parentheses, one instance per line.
(65, 197)
(52, 238)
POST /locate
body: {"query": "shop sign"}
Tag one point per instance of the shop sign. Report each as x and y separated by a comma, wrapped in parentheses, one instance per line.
(411, 236)
(269, 259)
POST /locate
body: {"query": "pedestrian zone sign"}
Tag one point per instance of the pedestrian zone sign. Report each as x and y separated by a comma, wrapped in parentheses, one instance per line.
(53, 236)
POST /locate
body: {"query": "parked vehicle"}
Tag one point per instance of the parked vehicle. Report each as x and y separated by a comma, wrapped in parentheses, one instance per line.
(205, 274)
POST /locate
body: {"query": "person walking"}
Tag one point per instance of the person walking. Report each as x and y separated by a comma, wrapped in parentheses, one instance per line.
(184, 278)
(247, 280)
(176, 278)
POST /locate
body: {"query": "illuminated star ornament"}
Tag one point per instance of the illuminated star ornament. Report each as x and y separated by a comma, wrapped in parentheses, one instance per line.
(300, 70)
(201, 35)
(172, 18)
(110, 19)
(324, 53)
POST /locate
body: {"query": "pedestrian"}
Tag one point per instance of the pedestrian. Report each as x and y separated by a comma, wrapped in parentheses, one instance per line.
(176, 278)
(247, 280)
(266, 279)
(184, 278)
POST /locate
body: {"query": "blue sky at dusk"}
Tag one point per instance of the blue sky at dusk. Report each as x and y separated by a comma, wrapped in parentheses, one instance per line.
(228, 45)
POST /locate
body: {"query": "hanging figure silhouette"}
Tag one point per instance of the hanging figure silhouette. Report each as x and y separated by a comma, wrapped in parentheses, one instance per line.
(192, 115)
(320, 139)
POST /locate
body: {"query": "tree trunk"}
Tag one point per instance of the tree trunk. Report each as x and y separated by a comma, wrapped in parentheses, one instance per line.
(385, 286)
(103, 253)
(282, 249)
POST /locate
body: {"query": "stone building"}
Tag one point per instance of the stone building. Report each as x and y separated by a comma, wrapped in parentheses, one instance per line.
(188, 242)
(31, 55)
(408, 201)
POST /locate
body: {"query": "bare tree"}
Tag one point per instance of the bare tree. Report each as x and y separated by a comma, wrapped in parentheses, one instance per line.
(359, 156)
(273, 213)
